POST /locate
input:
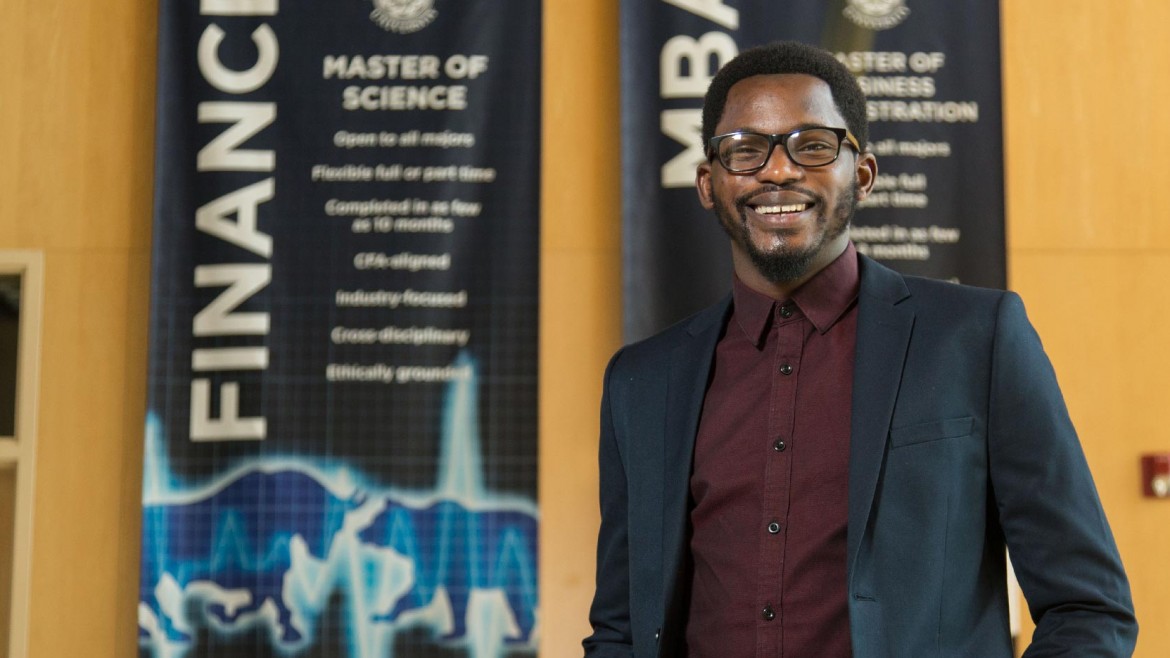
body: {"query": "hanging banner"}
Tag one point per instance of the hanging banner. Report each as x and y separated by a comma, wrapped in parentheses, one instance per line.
(931, 74)
(341, 432)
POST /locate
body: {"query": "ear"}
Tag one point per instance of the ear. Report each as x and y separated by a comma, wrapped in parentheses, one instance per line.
(703, 185)
(866, 174)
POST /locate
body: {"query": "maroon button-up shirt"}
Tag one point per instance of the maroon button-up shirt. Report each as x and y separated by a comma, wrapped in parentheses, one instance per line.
(770, 482)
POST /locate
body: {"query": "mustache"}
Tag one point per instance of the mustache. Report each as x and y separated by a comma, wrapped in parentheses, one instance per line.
(742, 200)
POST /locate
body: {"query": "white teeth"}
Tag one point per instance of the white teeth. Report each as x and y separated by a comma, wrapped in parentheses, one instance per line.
(771, 210)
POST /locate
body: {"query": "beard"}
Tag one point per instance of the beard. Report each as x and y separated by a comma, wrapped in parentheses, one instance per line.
(788, 263)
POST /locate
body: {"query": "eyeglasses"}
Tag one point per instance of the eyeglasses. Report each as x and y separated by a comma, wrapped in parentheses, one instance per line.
(744, 152)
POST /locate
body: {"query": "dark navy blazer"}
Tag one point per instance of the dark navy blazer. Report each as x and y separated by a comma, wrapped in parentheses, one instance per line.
(960, 444)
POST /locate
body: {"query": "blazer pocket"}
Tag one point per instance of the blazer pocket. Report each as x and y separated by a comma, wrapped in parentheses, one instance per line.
(935, 430)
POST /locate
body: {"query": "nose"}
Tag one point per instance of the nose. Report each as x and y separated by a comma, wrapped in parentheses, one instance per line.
(780, 167)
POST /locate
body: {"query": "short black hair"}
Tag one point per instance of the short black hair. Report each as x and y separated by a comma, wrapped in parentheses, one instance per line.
(788, 57)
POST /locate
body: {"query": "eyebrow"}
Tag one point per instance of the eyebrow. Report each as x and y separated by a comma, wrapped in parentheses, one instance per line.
(802, 126)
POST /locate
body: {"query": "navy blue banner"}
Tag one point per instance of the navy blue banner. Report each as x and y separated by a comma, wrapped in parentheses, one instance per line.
(931, 73)
(341, 448)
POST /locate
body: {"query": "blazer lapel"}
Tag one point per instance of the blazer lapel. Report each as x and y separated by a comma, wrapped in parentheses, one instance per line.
(690, 367)
(883, 336)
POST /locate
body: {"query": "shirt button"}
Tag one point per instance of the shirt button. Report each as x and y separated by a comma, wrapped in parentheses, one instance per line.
(779, 445)
(786, 311)
(786, 369)
(773, 527)
(768, 613)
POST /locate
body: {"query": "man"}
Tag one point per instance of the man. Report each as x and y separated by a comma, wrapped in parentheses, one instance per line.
(830, 461)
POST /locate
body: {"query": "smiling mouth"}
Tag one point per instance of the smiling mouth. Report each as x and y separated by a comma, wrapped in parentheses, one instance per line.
(782, 209)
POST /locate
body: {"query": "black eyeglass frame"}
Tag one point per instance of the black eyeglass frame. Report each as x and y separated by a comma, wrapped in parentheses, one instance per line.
(843, 137)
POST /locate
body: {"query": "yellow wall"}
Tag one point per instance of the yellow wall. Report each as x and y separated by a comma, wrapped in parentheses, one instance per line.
(76, 126)
(1089, 250)
(580, 300)
(1089, 244)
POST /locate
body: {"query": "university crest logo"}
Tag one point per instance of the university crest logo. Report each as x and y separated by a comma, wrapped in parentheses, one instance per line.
(403, 16)
(877, 14)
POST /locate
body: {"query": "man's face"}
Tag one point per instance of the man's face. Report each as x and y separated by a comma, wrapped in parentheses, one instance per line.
(786, 221)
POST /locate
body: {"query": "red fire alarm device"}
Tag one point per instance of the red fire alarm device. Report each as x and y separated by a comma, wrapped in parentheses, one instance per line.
(1156, 475)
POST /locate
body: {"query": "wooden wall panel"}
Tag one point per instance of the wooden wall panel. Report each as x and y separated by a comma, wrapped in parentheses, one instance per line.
(1086, 87)
(77, 124)
(580, 323)
(1093, 312)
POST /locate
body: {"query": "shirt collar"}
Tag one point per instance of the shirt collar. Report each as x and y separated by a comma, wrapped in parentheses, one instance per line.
(823, 299)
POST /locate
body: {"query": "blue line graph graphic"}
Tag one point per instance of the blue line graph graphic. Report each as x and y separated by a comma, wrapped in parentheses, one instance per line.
(268, 545)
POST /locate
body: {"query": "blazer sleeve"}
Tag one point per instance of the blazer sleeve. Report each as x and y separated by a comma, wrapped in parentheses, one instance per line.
(1060, 544)
(610, 613)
